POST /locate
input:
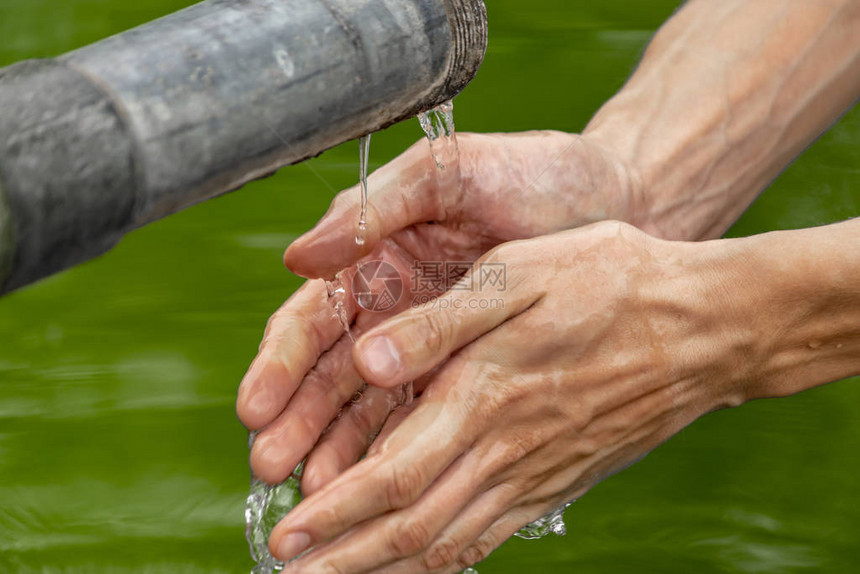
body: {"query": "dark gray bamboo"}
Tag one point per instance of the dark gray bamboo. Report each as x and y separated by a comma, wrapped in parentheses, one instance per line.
(138, 126)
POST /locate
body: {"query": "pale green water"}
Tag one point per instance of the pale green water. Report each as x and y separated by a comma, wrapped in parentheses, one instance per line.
(119, 449)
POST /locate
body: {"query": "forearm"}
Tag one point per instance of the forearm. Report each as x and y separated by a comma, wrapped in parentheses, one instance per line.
(727, 95)
(794, 298)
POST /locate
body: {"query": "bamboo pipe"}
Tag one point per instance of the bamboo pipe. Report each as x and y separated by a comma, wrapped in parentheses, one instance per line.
(125, 131)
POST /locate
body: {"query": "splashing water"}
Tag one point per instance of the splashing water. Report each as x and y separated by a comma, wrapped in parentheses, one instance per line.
(266, 505)
(363, 155)
(552, 523)
(337, 298)
(264, 508)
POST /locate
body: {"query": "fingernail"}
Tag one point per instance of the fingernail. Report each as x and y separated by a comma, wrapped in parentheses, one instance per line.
(381, 358)
(292, 545)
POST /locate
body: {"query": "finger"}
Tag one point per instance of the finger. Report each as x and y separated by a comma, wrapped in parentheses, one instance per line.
(417, 340)
(348, 438)
(394, 420)
(296, 335)
(314, 405)
(401, 193)
(416, 453)
(402, 533)
(501, 531)
(443, 554)
(280, 446)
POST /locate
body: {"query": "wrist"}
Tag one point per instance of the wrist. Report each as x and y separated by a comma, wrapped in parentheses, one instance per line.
(788, 308)
(567, 180)
(613, 178)
(671, 171)
(814, 306)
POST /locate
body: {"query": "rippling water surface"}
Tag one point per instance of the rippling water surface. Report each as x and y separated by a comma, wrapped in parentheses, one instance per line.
(119, 449)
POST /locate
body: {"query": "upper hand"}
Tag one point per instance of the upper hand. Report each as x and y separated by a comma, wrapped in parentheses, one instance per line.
(607, 343)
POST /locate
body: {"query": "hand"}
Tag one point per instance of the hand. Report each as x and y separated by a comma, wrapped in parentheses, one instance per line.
(507, 187)
(608, 342)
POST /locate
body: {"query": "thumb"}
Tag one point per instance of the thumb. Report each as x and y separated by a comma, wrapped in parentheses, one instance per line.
(404, 348)
(402, 193)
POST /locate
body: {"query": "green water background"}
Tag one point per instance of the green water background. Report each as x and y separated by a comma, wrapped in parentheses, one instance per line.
(119, 447)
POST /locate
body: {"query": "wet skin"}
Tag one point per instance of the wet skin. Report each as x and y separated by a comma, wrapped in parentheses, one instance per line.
(610, 340)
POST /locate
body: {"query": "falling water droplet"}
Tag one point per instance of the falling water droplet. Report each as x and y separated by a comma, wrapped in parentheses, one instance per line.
(363, 156)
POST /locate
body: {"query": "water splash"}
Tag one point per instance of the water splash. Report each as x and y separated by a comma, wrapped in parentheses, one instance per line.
(552, 523)
(265, 506)
(337, 297)
(363, 155)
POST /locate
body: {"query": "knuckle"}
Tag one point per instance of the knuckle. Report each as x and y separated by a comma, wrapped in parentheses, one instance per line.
(275, 369)
(619, 233)
(436, 331)
(516, 451)
(330, 567)
(405, 486)
(477, 552)
(303, 434)
(270, 325)
(410, 538)
(342, 201)
(331, 520)
(362, 417)
(324, 374)
(587, 447)
(441, 554)
(499, 254)
(497, 395)
(581, 415)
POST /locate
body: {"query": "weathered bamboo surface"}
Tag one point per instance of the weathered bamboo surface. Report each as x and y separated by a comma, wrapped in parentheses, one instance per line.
(138, 126)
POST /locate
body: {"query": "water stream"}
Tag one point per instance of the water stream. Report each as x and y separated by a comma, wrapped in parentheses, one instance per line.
(438, 126)
(363, 155)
